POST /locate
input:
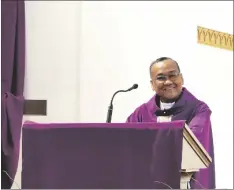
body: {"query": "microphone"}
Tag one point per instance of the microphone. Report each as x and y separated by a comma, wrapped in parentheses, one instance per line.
(110, 108)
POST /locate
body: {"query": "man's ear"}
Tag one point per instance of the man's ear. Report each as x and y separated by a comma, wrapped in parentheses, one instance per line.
(182, 78)
(152, 85)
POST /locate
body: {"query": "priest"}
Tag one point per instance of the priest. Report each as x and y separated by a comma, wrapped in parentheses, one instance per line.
(172, 102)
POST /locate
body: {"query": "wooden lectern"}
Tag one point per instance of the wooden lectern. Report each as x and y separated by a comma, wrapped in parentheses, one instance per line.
(110, 155)
(194, 157)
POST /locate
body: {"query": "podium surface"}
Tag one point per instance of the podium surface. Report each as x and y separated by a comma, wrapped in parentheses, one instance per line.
(104, 155)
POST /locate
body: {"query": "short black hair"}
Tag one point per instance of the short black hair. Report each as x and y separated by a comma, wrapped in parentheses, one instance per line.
(163, 59)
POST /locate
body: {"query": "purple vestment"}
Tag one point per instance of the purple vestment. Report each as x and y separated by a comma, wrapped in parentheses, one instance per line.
(197, 115)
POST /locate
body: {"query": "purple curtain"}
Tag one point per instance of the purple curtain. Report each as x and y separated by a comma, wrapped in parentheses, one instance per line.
(12, 85)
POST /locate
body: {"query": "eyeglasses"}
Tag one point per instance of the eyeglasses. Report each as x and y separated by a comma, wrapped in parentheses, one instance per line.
(171, 77)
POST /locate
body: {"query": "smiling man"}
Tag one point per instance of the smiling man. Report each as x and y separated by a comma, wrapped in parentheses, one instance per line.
(172, 102)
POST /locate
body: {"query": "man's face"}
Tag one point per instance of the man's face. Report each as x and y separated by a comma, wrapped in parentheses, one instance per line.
(166, 80)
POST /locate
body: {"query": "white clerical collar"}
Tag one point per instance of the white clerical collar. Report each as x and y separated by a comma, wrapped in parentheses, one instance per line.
(166, 106)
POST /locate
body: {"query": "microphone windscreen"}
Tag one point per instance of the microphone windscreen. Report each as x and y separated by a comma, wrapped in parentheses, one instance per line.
(135, 86)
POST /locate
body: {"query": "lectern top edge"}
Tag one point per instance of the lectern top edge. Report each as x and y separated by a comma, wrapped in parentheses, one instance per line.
(196, 145)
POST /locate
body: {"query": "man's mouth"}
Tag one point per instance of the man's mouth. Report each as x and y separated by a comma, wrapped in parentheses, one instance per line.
(169, 88)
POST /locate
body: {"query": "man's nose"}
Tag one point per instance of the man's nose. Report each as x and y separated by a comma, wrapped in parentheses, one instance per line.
(168, 82)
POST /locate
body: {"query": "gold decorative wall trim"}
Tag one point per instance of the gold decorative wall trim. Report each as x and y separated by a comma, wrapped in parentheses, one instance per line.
(214, 38)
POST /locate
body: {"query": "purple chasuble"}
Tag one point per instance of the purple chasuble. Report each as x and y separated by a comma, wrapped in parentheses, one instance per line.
(197, 115)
